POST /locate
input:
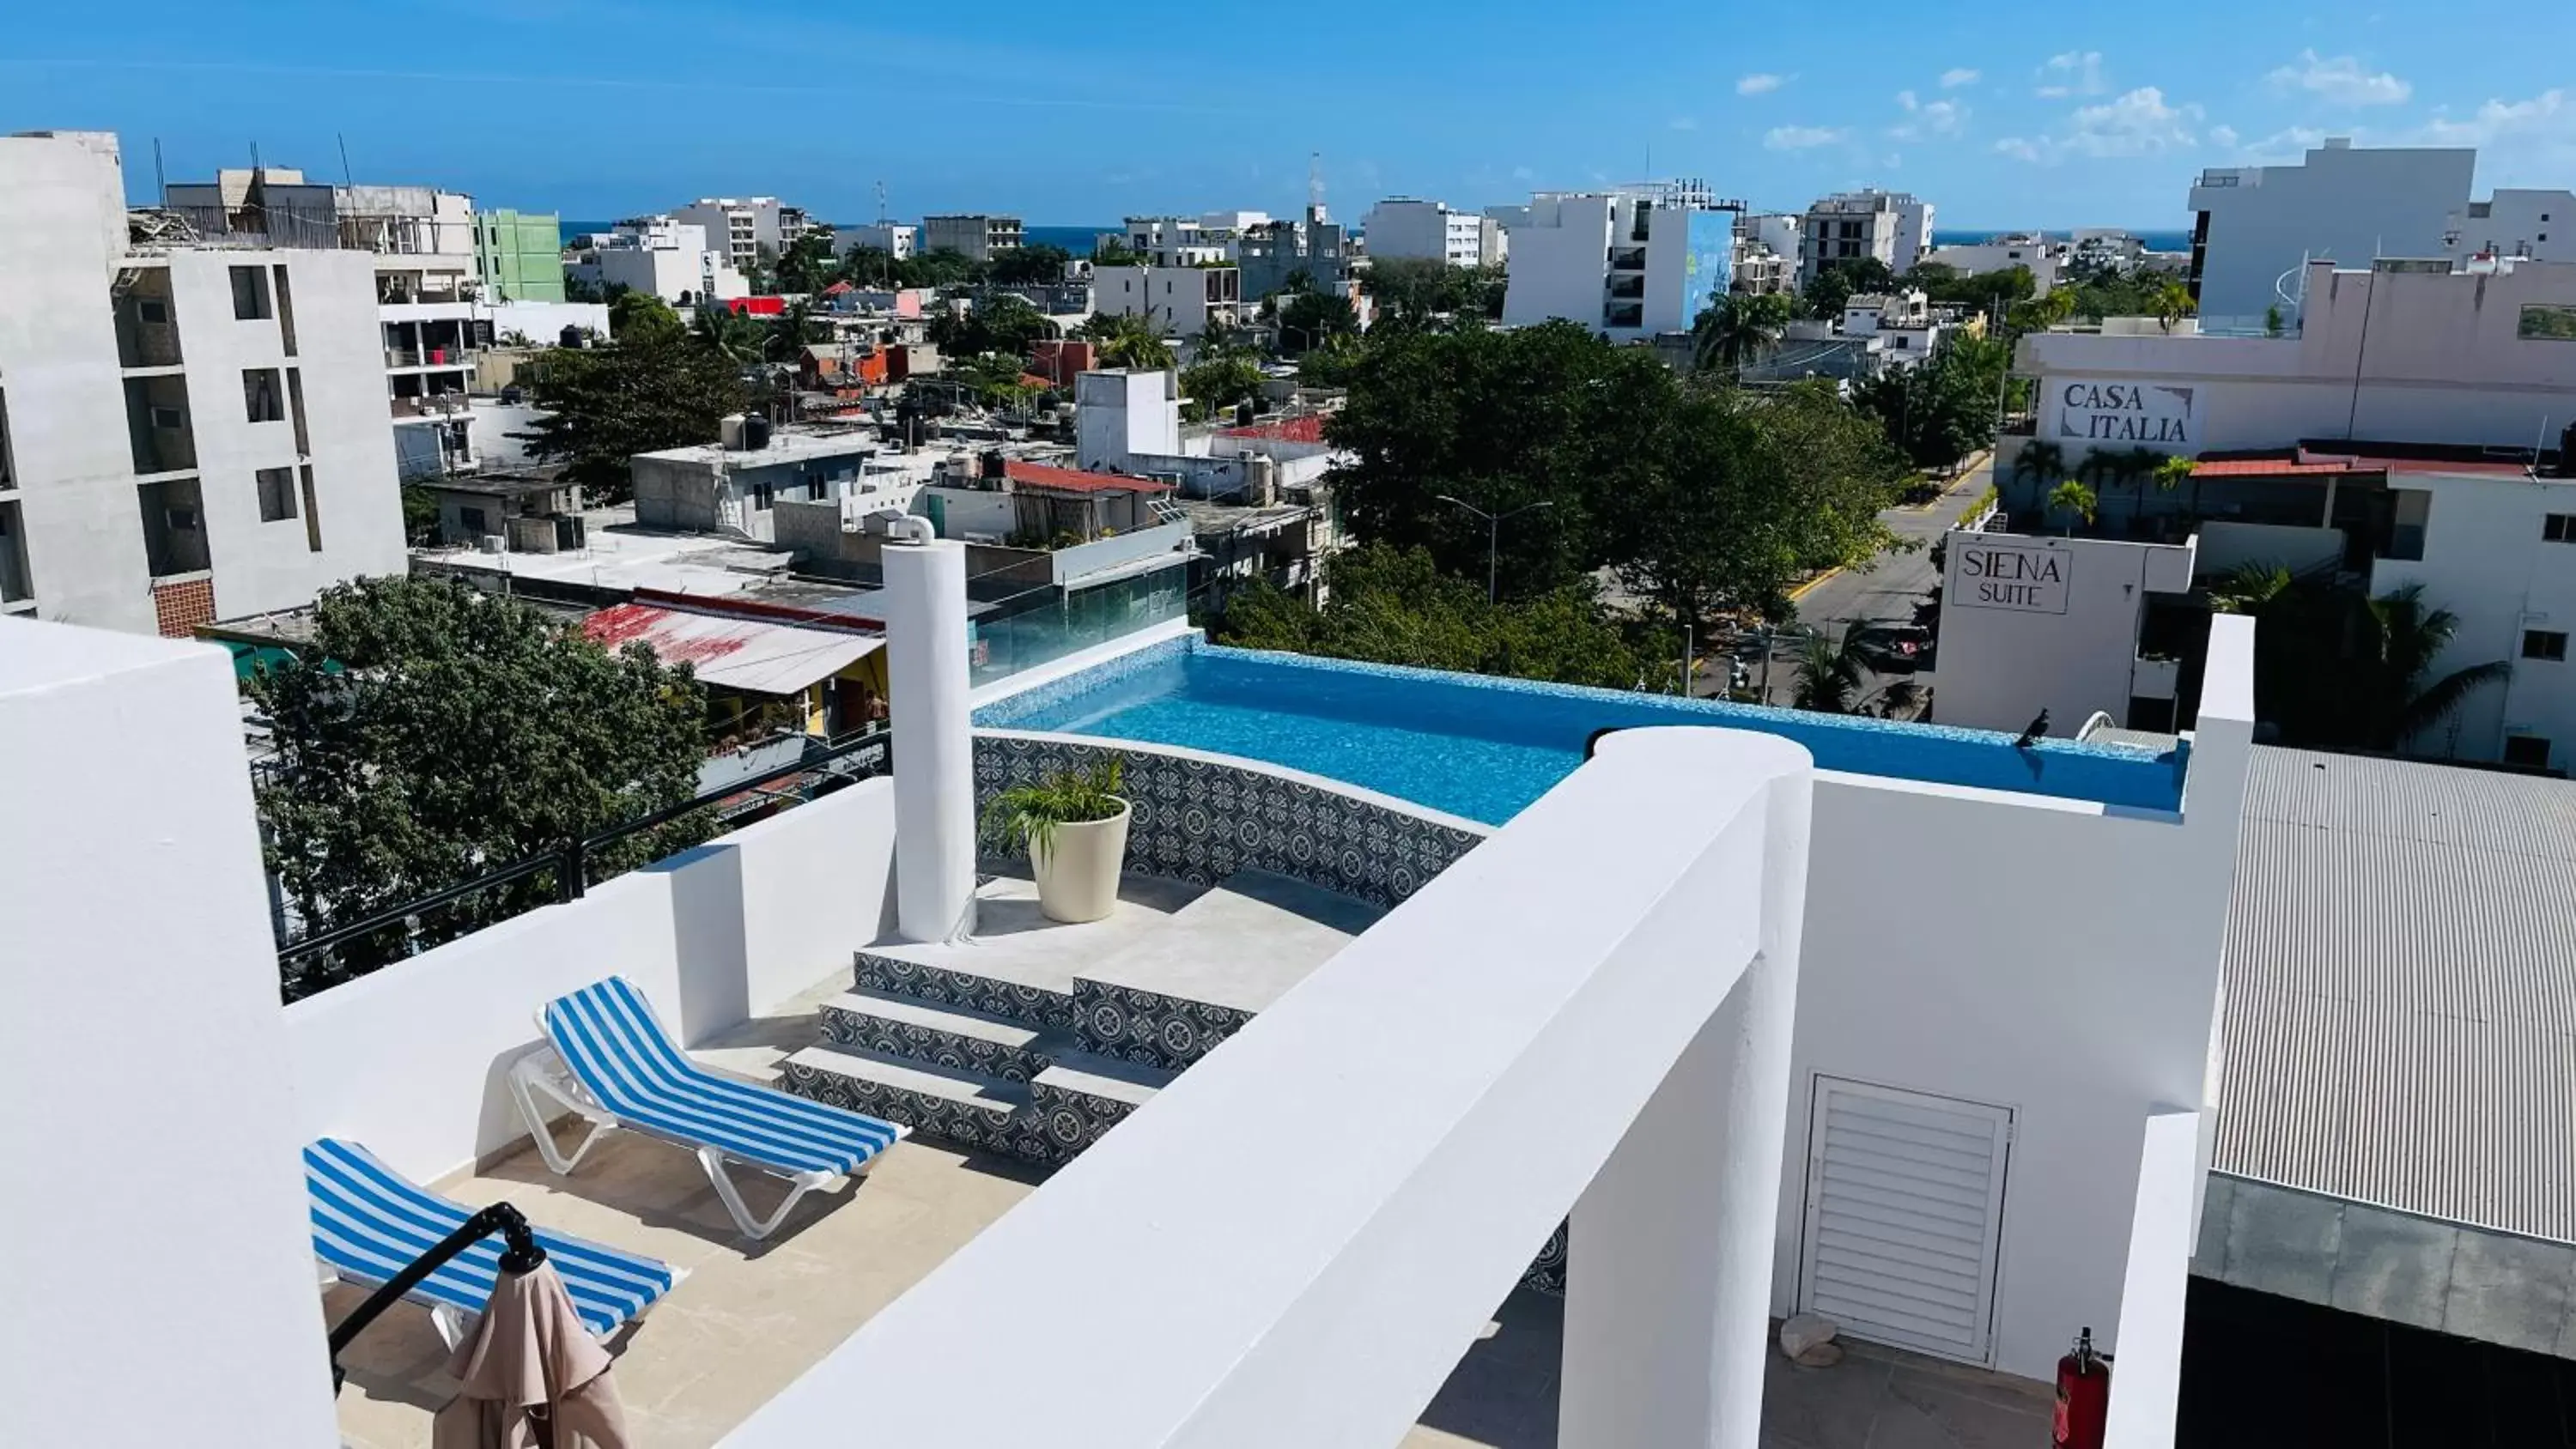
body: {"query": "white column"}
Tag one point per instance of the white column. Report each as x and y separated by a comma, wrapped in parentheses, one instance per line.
(1669, 1267)
(934, 742)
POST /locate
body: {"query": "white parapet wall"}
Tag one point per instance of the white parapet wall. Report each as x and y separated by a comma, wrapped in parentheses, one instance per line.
(2146, 1389)
(411, 1059)
(1310, 1226)
(157, 1274)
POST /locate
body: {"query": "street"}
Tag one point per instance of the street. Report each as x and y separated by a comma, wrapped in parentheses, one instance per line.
(1884, 591)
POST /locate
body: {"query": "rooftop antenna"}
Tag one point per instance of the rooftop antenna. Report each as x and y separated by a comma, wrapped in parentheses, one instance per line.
(1315, 183)
(345, 178)
(159, 180)
(882, 218)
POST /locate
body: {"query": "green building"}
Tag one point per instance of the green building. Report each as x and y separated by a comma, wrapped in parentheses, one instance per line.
(519, 256)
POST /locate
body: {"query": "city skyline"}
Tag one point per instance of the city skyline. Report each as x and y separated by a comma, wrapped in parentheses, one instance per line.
(607, 109)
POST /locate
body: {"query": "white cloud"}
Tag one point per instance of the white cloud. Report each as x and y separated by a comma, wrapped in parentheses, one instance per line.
(1684, 123)
(1959, 76)
(1802, 138)
(1523, 173)
(1759, 84)
(2138, 123)
(2339, 81)
(2223, 136)
(2549, 113)
(1928, 118)
(2075, 73)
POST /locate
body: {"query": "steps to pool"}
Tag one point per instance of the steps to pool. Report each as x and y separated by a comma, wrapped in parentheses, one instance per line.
(1032, 1038)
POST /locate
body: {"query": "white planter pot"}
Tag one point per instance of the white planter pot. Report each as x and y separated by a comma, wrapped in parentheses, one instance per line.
(1078, 872)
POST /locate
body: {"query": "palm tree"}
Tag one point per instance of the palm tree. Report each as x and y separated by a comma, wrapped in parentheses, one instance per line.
(1737, 328)
(2250, 588)
(2039, 461)
(1830, 671)
(2404, 639)
(2172, 302)
(1127, 341)
(2074, 498)
(734, 336)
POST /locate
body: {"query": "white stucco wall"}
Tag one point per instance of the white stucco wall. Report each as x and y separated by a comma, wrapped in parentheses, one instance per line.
(2486, 561)
(2045, 623)
(1560, 257)
(2056, 959)
(412, 1059)
(2147, 1388)
(157, 1272)
(339, 357)
(61, 234)
(2345, 203)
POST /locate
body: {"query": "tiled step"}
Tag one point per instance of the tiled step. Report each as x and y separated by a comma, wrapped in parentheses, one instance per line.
(958, 1107)
(1080, 1096)
(946, 985)
(945, 1036)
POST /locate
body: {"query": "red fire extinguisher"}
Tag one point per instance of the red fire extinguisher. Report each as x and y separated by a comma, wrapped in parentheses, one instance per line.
(2083, 1396)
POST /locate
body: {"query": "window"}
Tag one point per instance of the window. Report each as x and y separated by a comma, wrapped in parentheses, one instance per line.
(762, 495)
(2548, 644)
(250, 294)
(262, 397)
(2529, 752)
(477, 523)
(276, 494)
(2558, 528)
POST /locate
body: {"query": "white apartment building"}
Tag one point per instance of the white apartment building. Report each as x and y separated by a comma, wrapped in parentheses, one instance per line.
(2258, 226)
(974, 235)
(897, 239)
(1177, 241)
(189, 430)
(1403, 226)
(1628, 264)
(1233, 223)
(2539, 225)
(2406, 352)
(2042, 256)
(1891, 226)
(1177, 301)
(2031, 624)
(427, 281)
(740, 227)
(669, 258)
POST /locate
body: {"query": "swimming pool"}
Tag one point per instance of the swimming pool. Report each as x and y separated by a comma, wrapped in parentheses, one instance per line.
(1485, 748)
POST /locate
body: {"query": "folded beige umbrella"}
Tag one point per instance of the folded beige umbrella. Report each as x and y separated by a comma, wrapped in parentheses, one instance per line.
(532, 1376)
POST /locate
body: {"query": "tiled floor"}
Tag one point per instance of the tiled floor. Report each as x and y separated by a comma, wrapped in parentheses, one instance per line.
(1503, 1396)
(741, 1325)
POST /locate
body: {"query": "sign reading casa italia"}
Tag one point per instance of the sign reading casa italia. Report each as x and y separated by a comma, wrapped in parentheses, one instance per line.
(2000, 576)
(2138, 414)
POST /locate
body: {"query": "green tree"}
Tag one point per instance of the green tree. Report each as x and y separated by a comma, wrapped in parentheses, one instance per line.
(2170, 302)
(2039, 461)
(601, 406)
(1218, 383)
(1036, 263)
(420, 515)
(1419, 292)
(788, 333)
(1738, 328)
(1838, 282)
(643, 317)
(2337, 669)
(731, 335)
(1127, 341)
(2074, 500)
(1942, 409)
(1309, 318)
(1747, 494)
(808, 265)
(1831, 673)
(1391, 606)
(998, 322)
(433, 732)
(2403, 642)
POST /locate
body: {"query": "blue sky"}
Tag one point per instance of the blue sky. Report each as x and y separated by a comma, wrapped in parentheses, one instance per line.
(2056, 116)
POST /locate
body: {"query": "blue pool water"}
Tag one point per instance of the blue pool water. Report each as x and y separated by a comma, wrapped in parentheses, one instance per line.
(1485, 748)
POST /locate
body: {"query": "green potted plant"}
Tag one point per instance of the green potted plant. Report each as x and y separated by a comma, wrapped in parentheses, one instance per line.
(1073, 823)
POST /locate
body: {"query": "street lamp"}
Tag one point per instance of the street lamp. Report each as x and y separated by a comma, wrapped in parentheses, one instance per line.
(1494, 534)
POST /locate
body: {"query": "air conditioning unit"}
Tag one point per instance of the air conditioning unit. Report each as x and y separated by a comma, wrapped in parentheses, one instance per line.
(491, 543)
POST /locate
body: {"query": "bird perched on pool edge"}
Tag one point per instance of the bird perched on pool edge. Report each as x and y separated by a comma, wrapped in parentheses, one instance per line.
(2031, 735)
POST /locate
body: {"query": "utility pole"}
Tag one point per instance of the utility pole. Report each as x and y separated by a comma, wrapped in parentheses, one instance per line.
(1494, 538)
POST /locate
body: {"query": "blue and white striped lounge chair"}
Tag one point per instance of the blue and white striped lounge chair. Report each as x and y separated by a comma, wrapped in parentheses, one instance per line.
(614, 1064)
(370, 1222)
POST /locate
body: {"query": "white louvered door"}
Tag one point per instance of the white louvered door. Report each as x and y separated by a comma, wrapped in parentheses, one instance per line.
(1905, 1200)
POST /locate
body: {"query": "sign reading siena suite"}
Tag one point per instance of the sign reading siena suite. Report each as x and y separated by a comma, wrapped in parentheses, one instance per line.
(2130, 414)
(2003, 576)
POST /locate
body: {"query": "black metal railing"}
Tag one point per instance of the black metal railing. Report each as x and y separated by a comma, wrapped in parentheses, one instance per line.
(305, 964)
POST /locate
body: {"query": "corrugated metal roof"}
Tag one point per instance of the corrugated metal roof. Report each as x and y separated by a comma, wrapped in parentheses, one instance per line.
(733, 653)
(2399, 1022)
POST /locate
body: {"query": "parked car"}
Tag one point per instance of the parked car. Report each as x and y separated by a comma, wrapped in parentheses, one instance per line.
(1895, 648)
